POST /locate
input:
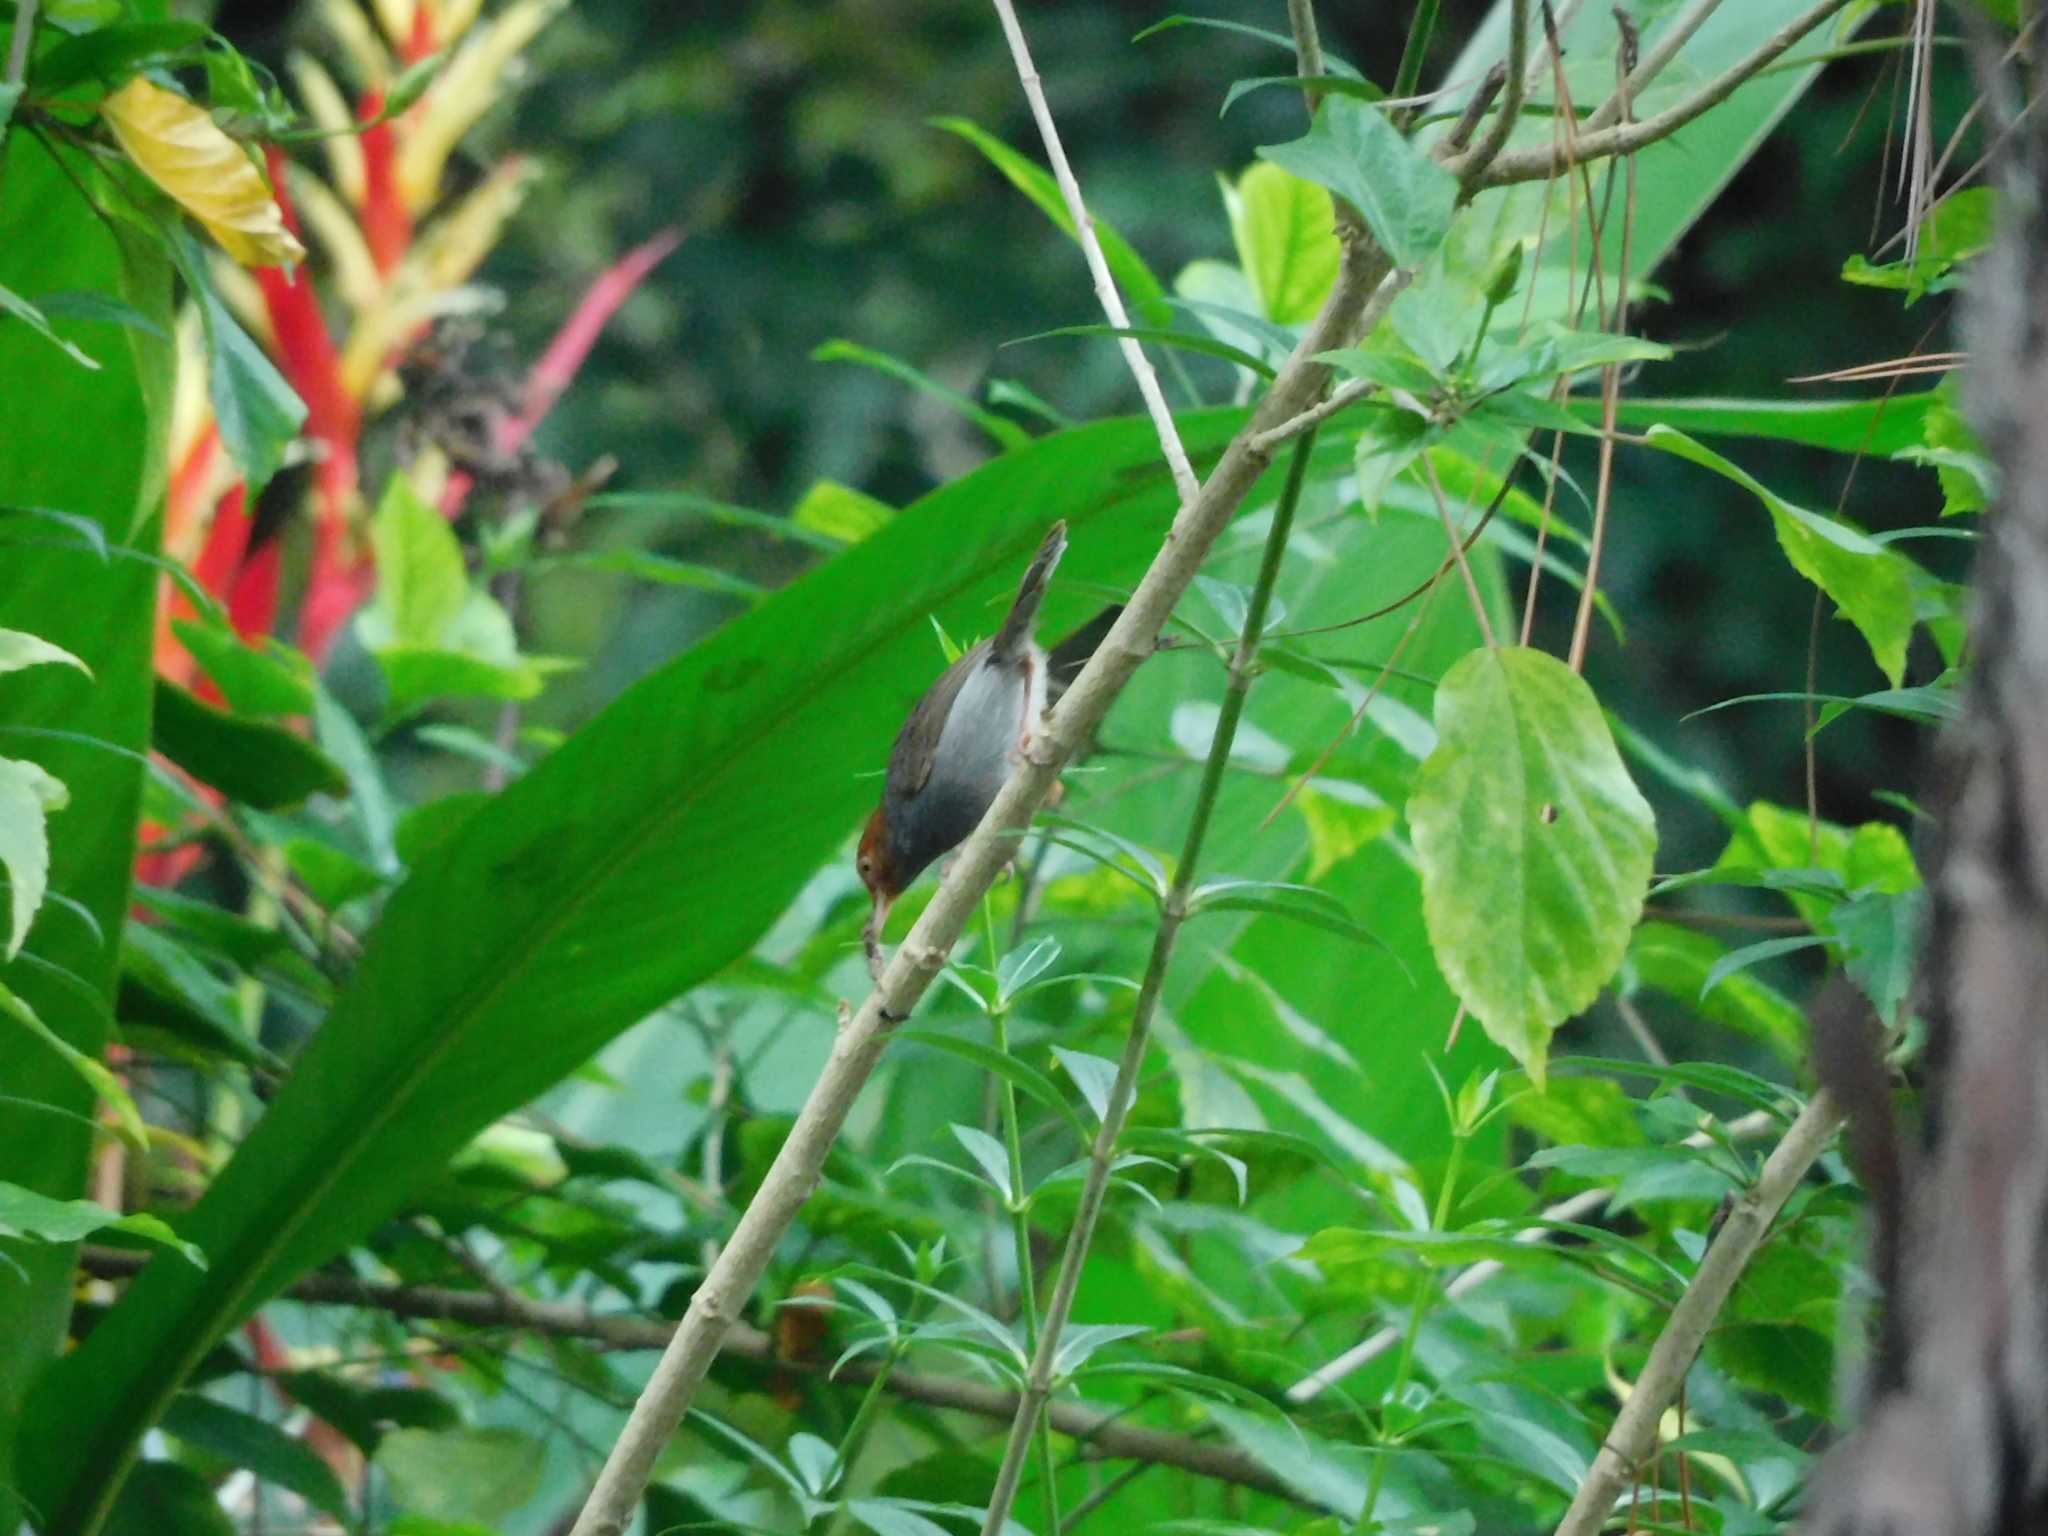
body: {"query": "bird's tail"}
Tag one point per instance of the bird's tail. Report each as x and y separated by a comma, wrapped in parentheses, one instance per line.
(1015, 635)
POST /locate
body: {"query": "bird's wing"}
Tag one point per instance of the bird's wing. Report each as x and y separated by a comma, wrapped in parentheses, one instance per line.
(917, 744)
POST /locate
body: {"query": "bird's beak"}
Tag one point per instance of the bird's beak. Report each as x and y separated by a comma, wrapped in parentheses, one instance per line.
(871, 936)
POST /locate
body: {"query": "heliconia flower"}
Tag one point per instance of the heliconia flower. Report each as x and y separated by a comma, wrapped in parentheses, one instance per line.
(176, 145)
(328, 109)
(470, 85)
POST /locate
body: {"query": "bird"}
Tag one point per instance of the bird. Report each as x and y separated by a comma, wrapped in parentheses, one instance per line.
(956, 749)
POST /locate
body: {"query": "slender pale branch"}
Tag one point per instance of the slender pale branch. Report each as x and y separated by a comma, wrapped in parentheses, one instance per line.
(1634, 1435)
(1470, 1278)
(17, 45)
(1541, 162)
(1038, 1382)
(797, 1166)
(1098, 264)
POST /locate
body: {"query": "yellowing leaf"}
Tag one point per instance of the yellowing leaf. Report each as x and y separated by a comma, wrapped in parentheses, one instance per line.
(177, 146)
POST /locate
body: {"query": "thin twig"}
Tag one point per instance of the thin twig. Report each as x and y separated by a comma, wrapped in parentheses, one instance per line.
(1610, 384)
(1443, 507)
(1540, 163)
(1635, 1427)
(1098, 265)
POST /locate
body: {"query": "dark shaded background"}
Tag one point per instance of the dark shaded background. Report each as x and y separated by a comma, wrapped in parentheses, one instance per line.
(792, 140)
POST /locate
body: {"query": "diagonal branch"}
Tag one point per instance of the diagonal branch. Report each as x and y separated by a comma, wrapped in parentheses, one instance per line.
(1634, 1434)
(1098, 264)
(1541, 162)
(715, 1307)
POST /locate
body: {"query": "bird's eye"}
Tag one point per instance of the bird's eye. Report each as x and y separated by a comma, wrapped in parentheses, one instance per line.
(864, 865)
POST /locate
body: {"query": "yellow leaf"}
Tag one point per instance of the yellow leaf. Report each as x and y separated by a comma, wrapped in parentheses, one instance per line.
(177, 146)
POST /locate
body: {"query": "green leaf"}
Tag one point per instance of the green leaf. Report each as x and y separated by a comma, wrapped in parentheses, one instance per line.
(1001, 428)
(1879, 936)
(1186, 340)
(24, 1213)
(840, 512)
(275, 680)
(1285, 231)
(18, 650)
(1754, 954)
(422, 583)
(1407, 199)
(111, 54)
(256, 410)
(104, 1084)
(1145, 292)
(1676, 961)
(461, 1474)
(27, 796)
(1328, 85)
(255, 764)
(14, 304)
(1534, 843)
(597, 887)
(164, 988)
(243, 1440)
(1871, 584)
(79, 576)
(167, 1498)
(1882, 426)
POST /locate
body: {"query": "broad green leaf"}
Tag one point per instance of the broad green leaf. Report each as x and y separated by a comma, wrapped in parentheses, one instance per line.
(27, 796)
(243, 1440)
(1739, 960)
(1405, 197)
(253, 763)
(24, 1213)
(164, 989)
(77, 578)
(1534, 843)
(1286, 236)
(275, 680)
(422, 582)
(595, 888)
(1145, 292)
(111, 54)
(461, 1474)
(1783, 846)
(18, 650)
(1870, 583)
(1876, 427)
(256, 410)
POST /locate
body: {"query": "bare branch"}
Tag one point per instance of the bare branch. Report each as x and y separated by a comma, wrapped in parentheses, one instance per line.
(1634, 1434)
(1101, 1433)
(1473, 165)
(1541, 162)
(1669, 41)
(1098, 264)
